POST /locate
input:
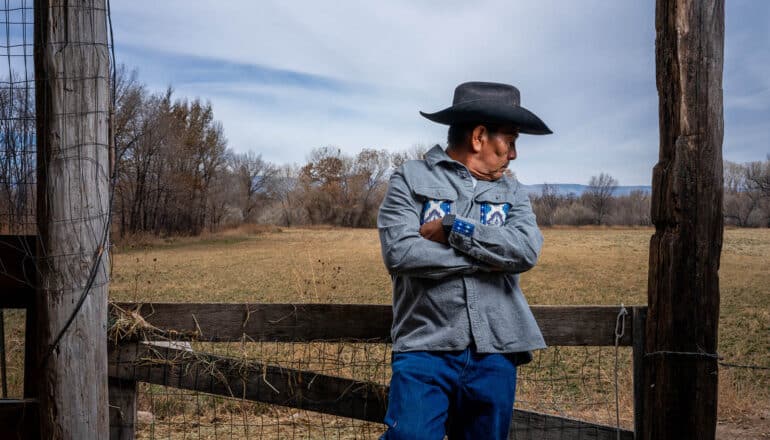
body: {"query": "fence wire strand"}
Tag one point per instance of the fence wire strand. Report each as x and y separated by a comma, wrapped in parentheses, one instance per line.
(258, 389)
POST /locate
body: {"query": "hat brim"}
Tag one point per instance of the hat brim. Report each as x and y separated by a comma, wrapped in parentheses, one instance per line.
(482, 111)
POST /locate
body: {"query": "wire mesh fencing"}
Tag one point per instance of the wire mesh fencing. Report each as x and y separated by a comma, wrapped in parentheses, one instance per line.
(17, 121)
(354, 373)
(329, 378)
(189, 388)
(167, 412)
(186, 386)
(55, 105)
(17, 181)
(584, 391)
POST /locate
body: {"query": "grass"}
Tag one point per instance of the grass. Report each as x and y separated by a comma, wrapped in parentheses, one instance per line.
(344, 265)
(335, 266)
(577, 266)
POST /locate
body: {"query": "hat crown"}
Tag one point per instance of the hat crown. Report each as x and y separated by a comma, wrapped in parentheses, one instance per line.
(489, 102)
(487, 91)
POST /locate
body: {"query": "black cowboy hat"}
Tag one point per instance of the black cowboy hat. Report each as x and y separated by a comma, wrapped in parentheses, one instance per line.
(493, 103)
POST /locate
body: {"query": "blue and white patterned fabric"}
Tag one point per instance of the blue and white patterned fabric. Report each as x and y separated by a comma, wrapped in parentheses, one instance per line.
(465, 293)
(463, 227)
(494, 214)
(435, 209)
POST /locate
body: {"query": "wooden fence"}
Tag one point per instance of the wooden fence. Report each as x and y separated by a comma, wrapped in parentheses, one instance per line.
(132, 362)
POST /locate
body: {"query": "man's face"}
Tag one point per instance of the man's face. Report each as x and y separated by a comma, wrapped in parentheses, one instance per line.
(498, 148)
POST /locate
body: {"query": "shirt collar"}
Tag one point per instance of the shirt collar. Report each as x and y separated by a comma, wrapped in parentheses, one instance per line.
(436, 155)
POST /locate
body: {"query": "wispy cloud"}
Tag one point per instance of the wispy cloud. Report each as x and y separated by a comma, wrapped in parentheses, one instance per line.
(191, 69)
(286, 77)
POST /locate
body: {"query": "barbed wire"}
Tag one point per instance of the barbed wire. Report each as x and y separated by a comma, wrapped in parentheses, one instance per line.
(745, 366)
(702, 354)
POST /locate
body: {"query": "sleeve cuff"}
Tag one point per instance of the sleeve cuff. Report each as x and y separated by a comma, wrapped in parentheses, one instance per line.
(463, 228)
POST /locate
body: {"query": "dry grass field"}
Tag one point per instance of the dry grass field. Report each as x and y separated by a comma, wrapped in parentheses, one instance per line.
(577, 266)
(328, 265)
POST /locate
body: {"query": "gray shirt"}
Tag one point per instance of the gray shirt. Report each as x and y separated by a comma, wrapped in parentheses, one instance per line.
(447, 297)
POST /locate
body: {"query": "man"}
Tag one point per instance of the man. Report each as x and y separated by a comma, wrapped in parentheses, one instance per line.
(456, 230)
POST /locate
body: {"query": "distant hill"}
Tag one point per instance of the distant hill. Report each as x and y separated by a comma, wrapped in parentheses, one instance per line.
(566, 188)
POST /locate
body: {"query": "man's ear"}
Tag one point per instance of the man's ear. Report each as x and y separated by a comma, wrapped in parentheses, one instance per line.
(479, 137)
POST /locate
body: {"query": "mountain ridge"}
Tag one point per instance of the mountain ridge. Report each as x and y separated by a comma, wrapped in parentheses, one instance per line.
(564, 189)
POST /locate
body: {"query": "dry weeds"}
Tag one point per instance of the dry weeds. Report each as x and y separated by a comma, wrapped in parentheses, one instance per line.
(578, 266)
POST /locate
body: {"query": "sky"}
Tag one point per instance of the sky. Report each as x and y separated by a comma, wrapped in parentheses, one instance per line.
(287, 77)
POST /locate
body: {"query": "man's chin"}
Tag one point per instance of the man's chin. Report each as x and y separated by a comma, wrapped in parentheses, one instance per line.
(497, 175)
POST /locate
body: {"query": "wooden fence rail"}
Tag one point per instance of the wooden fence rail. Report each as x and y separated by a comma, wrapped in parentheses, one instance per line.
(133, 362)
(226, 322)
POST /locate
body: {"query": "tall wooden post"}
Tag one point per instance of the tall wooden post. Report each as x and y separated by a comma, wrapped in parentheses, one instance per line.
(683, 314)
(73, 103)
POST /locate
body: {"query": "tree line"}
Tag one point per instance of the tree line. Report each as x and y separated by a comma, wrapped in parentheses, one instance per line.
(747, 193)
(174, 174)
(597, 205)
(17, 157)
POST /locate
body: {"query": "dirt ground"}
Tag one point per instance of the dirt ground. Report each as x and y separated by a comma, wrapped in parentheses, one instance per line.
(756, 426)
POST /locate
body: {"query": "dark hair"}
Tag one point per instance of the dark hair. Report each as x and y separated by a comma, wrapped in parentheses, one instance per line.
(459, 133)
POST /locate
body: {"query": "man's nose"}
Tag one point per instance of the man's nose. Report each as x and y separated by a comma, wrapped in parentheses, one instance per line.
(512, 152)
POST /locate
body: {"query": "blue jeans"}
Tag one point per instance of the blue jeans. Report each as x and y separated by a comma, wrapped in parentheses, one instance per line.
(463, 394)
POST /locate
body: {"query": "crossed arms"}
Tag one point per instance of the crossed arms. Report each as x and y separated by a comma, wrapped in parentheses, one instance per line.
(409, 249)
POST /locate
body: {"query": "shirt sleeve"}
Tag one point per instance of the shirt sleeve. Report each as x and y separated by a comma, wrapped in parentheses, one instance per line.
(513, 247)
(404, 250)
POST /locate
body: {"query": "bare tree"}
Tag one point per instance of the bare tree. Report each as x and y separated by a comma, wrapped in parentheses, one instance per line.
(169, 155)
(17, 156)
(142, 145)
(287, 192)
(738, 203)
(416, 152)
(130, 96)
(573, 213)
(747, 193)
(599, 194)
(545, 204)
(632, 209)
(255, 180)
(323, 181)
(129, 125)
(758, 177)
(342, 190)
(368, 175)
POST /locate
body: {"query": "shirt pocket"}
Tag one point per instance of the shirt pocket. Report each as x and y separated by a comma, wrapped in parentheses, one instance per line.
(436, 202)
(494, 206)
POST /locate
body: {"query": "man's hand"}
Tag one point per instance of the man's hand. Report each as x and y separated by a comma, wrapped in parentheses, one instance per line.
(434, 231)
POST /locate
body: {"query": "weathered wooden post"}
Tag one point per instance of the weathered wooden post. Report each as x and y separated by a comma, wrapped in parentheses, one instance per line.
(73, 103)
(681, 334)
(123, 395)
